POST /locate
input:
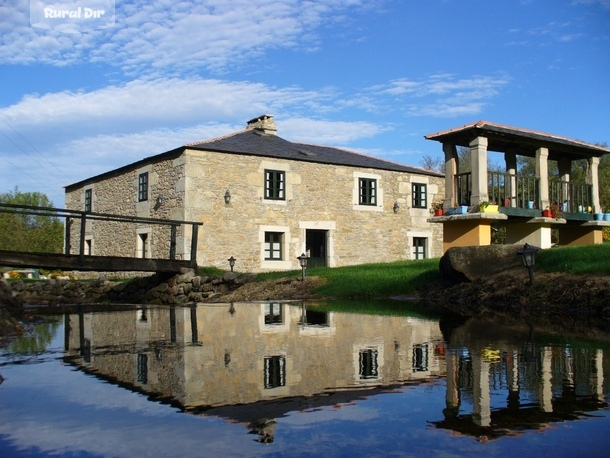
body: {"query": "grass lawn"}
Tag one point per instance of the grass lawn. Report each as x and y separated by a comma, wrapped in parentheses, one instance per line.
(408, 277)
(370, 280)
(583, 260)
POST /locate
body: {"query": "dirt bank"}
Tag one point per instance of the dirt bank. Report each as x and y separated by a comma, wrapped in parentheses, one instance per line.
(559, 302)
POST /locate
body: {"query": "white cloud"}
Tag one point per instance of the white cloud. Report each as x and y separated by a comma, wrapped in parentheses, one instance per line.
(602, 3)
(71, 135)
(158, 34)
(143, 104)
(323, 132)
(442, 95)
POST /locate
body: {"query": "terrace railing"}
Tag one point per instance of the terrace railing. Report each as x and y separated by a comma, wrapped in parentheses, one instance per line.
(463, 187)
(514, 191)
(571, 197)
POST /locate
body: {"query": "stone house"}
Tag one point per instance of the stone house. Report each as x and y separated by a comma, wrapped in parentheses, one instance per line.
(264, 201)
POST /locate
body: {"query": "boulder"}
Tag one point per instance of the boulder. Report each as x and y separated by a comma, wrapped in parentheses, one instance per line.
(461, 264)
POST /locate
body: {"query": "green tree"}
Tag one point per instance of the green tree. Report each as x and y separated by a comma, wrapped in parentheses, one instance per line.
(30, 233)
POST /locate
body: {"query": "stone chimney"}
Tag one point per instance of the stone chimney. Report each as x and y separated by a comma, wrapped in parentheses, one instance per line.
(263, 123)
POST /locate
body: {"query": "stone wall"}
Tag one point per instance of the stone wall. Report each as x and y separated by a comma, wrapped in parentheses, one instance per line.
(117, 193)
(322, 197)
(155, 289)
(318, 196)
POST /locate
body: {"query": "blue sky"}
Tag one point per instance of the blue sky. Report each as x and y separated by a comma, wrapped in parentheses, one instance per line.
(374, 76)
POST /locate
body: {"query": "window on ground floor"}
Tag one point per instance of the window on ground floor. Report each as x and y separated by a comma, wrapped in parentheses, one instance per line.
(368, 364)
(419, 247)
(143, 248)
(420, 358)
(273, 246)
(275, 372)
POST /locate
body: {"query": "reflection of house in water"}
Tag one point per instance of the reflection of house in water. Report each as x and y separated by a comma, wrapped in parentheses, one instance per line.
(222, 355)
(543, 383)
(253, 363)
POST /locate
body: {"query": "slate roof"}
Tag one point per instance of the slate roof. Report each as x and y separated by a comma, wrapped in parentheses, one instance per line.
(256, 143)
(525, 142)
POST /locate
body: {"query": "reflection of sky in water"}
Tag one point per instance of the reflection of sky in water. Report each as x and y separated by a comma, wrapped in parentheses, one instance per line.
(52, 409)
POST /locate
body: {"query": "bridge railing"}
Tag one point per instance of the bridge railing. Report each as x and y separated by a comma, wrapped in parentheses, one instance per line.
(72, 216)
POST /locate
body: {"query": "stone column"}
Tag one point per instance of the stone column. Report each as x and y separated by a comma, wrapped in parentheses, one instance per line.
(481, 394)
(598, 375)
(451, 170)
(452, 396)
(545, 394)
(510, 158)
(512, 376)
(564, 166)
(478, 160)
(542, 173)
(593, 170)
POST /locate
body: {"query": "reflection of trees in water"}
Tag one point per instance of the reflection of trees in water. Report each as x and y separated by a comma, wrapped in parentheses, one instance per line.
(35, 339)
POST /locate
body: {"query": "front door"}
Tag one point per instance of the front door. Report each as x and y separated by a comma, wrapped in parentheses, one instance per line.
(315, 244)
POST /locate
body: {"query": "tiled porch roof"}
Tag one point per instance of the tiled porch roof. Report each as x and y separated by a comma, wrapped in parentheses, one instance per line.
(525, 142)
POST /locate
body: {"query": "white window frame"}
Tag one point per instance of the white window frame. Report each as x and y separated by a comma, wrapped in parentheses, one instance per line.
(267, 165)
(419, 234)
(284, 263)
(356, 192)
(143, 249)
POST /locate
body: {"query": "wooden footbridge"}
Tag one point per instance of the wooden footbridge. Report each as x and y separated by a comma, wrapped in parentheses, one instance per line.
(81, 260)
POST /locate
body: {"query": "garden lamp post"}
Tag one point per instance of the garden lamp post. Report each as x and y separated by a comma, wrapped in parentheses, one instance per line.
(231, 262)
(303, 263)
(528, 256)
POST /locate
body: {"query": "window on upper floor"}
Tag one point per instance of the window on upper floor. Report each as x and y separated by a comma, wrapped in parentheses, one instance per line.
(367, 191)
(275, 184)
(143, 187)
(420, 195)
(273, 246)
(88, 199)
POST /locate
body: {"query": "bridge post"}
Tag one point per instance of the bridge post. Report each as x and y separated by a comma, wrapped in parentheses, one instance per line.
(67, 243)
(81, 252)
(194, 245)
(172, 242)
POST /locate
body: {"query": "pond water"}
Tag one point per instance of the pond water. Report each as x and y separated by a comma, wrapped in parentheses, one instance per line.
(287, 379)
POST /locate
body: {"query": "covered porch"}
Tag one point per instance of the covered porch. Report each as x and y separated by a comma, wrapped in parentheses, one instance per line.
(528, 206)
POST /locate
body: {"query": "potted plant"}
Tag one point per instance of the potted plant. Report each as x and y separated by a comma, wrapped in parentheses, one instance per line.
(437, 208)
(555, 210)
(488, 207)
(599, 216)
